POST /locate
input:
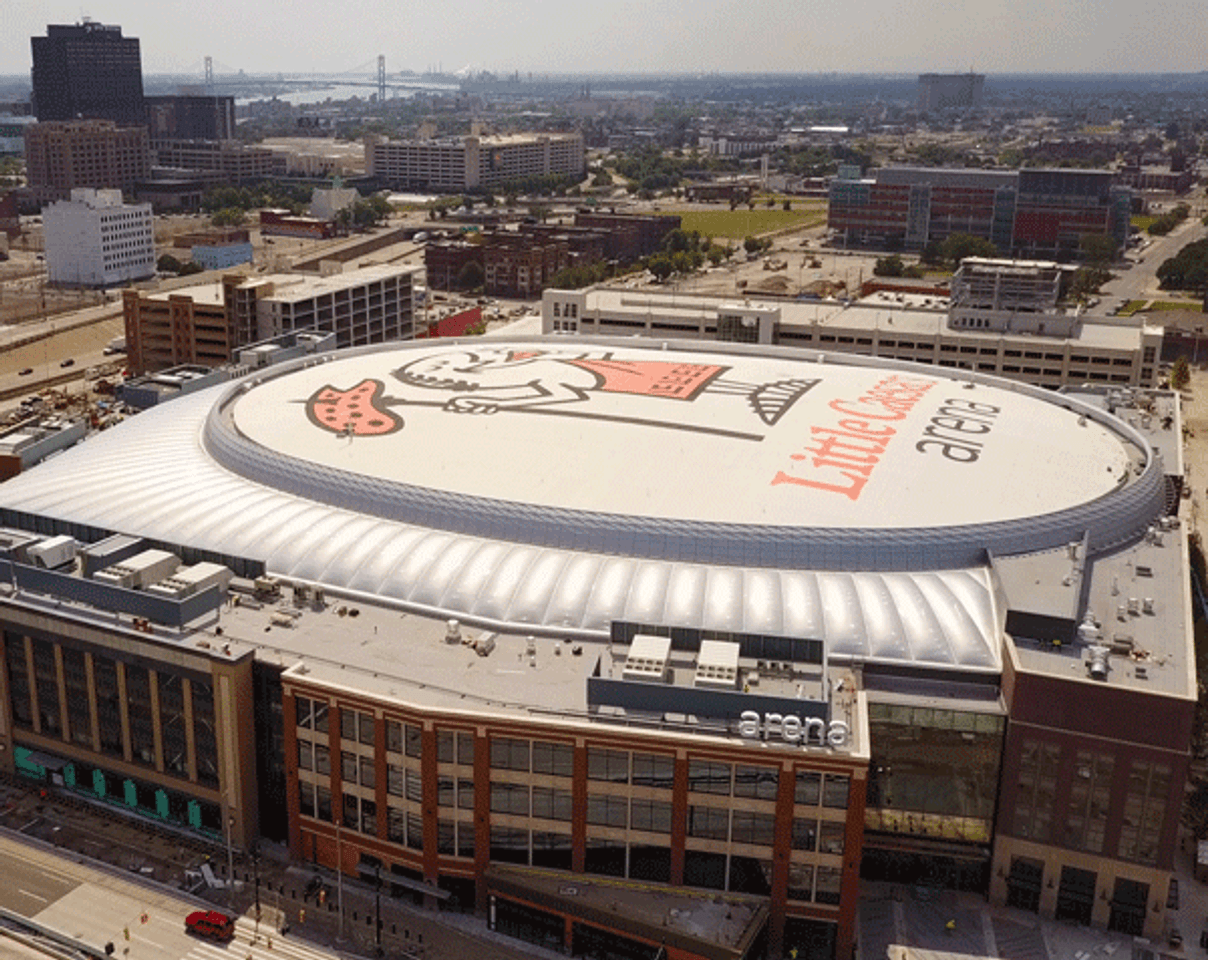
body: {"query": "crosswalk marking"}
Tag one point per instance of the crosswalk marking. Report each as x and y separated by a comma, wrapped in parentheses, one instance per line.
(283, 948)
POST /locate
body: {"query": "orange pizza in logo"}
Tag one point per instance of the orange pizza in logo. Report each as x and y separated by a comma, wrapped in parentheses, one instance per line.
(357, 412)
(490, 380)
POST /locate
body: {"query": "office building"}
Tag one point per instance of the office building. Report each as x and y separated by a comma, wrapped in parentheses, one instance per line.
(59, 157)
(220, 161)
(1049, 349)
(467, 163)
(1029, 212)
(947, 91)
(207, 323)
(96, 240)
(630, 236)
(87, 71)
(190, 117)
(526, 620)
(516, 265)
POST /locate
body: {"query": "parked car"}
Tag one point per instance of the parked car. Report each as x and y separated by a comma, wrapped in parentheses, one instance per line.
(26, 372)
(67, 363)
(210, 924)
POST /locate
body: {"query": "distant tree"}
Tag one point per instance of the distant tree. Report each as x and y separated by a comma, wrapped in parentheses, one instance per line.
(228, 217)
(890, 266)
(958, 246)
(190, 268)
(716, 254)
(1097, 249)
(167, 264)
(771, 202)
(752, 244)
(1180, 373)
(1087, 280)
(470, 276)
(661, 266)
(788, 205)
(932, 253)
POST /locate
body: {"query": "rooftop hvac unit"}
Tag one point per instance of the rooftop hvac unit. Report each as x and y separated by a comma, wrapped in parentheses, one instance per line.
(647, 659)
(53, 553)
(452, 632)
(107, 552)
(1088, 631)
(140, 570)
(484, 644)
(717, 665)
(187, 581)
(1097, 662)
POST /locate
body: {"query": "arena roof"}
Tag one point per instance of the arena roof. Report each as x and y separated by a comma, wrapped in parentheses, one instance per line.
(562, 485)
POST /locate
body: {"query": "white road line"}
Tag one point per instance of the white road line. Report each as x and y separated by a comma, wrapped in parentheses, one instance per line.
(34, 895)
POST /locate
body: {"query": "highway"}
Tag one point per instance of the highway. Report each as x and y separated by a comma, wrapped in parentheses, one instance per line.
(99, 907)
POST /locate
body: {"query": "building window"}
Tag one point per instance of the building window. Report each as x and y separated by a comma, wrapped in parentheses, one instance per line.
(705, 776)
(510, 798)
(1035, 789)
(509, 754)
(608, 765)
(827, 885)
(805, 834)
(607, 811)
(413, 740)
(834, 792)
(652, 770)
(830, 837)
(653, 816)
(553, 759)
(756, 783)
(753, 828)
(1090, 796)
(808, 788)
(708, 823)
(552, 804)
(1144, 811)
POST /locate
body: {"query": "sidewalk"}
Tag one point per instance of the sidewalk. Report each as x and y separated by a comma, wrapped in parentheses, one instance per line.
(164, 855)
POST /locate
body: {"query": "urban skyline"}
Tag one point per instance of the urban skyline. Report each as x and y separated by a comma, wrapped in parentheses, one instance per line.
(661, 37)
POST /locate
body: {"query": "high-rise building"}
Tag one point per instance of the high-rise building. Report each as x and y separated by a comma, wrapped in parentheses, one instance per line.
(59, 157)
(940, 91)
(191, 118)
(1034, 213)
(87, 71)
(95, 240)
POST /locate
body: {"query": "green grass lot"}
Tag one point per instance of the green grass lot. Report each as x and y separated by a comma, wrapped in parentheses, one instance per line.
(1155, 306)
(1159, 305)
(1142, 221)
(737, 224)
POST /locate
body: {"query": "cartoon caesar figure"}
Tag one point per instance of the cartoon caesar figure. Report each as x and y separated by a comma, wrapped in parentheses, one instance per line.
(487, 380)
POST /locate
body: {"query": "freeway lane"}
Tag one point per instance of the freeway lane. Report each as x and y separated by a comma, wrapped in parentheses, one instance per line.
(97, 907)
(29, 887)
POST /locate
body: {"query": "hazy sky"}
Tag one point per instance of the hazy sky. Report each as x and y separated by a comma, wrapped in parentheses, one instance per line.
(796, 36)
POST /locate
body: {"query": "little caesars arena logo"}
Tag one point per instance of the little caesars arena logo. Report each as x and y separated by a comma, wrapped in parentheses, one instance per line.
(806, 731)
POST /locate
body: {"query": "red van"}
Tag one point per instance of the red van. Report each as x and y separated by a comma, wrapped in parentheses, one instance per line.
(210, 924)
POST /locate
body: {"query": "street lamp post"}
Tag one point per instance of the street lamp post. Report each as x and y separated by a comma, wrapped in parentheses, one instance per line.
(377, 907)
(340, 875)
(229, 822)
